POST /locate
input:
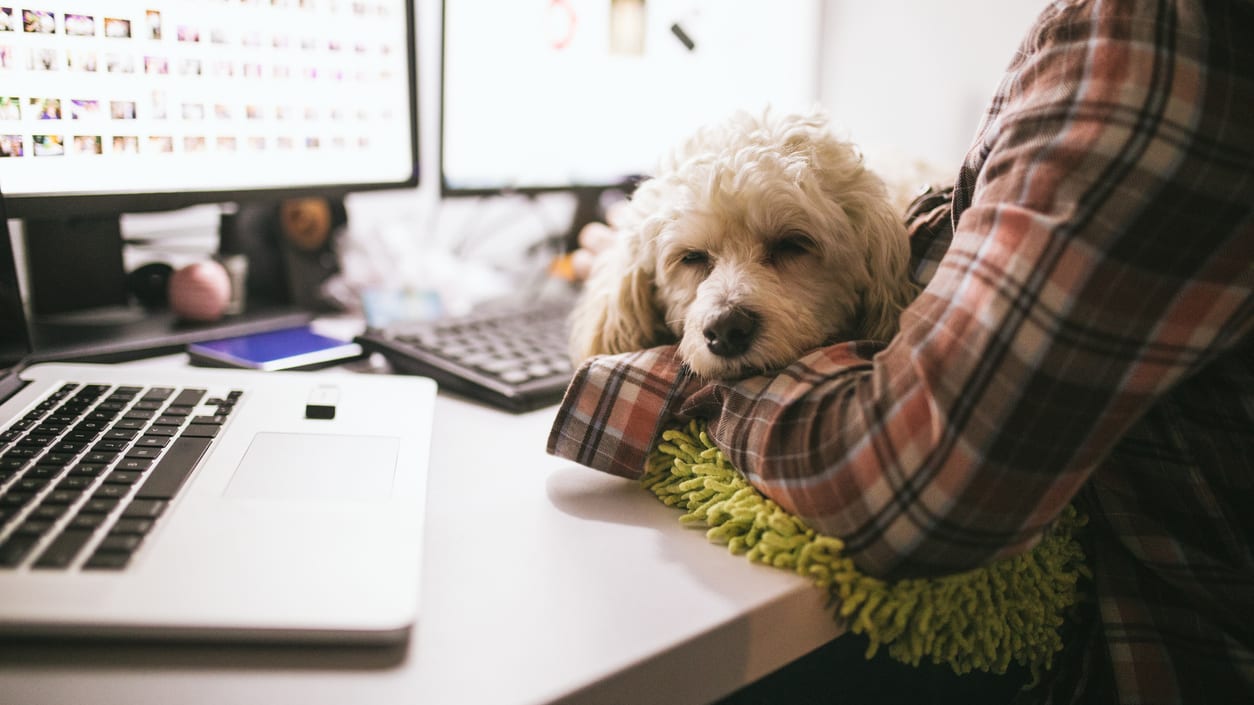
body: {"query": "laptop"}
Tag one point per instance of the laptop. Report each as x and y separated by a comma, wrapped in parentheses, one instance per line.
(206, 504)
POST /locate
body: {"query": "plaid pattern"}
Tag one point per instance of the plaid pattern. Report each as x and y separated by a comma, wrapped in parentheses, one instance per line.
(1086, 334)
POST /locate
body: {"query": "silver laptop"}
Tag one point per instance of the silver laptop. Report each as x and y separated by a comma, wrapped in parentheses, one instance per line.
(206, 504)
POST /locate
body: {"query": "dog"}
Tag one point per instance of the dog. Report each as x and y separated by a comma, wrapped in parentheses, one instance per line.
(756, 240)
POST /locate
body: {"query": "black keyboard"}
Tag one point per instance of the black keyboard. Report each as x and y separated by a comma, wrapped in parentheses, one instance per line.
(512, 358)
(87, 473)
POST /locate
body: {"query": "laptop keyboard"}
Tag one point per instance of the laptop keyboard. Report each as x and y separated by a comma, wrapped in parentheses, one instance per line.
(87, 473)
(514, 358)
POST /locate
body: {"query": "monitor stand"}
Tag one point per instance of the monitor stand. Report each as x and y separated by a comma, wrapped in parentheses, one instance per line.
(81, 309)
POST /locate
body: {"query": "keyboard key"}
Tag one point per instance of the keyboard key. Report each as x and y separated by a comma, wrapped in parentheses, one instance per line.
(107, 560)
(63, 496)
(98, 505)
(173, 469)
(61, 552)
(15, 548)
(31, 484)
(50, 511)
(34, 527)
(46, 472)
(131, 424)
(127, 525)
(201, 430)
(75, 482)
(107, 491)
(8, 462)
(158, 431)
(16, 499)
(116, 542)
(123, 477)
(143, 509)
(188, 397)
(109, 446)
(87, 521)
(143, 452)
(134, 464)
(88, 470)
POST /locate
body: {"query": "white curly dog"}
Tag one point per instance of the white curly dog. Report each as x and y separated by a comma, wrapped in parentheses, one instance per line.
(757, 240)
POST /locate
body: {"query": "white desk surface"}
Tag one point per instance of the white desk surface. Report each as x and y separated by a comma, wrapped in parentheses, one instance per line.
(544, 582)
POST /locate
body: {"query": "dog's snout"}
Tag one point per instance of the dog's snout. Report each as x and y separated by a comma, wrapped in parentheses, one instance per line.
(731, 332)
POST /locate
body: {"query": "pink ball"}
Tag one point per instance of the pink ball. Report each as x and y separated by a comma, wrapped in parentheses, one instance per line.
(200, 291)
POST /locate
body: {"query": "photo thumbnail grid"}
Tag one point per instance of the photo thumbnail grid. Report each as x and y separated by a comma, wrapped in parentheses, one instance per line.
(224, 76)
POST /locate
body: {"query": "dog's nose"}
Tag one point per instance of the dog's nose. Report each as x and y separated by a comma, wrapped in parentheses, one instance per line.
(731, 332)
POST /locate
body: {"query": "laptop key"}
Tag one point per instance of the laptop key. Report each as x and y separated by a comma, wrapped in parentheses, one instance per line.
(108, 491)
(116, 542)
(107, 560)
(33, 527)
(15, 548)
(61, 552)
(201, 430)
(174, 467)
(123, 477)
(132, 527)
(188, 397)
(98, 505)
(143, 452)
(143, 509)
(87, 521)
(49, 510)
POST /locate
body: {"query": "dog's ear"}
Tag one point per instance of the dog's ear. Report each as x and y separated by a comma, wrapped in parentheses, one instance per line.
(617, 311)
(889, 289)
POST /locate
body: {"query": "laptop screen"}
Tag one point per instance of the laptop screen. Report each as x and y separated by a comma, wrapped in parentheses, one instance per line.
(14, 339)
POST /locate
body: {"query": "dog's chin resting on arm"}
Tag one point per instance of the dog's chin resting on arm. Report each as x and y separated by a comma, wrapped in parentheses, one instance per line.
(757, 240)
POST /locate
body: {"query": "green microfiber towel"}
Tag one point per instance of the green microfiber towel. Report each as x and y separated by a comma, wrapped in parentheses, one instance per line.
(981, 619)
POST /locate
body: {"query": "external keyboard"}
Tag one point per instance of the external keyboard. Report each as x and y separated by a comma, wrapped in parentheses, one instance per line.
(513, 358)
(86, 474)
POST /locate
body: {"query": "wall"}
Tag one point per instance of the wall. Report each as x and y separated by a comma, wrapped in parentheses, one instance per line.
(912, 77)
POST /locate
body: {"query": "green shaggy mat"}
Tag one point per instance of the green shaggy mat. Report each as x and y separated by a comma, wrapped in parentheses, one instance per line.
(982, 619)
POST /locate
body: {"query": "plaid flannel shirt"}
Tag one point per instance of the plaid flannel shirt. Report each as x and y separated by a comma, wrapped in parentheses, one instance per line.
(1084, 335)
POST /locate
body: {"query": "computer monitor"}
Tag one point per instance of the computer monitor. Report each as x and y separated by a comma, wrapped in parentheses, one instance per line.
(110, 107)
(586, 95)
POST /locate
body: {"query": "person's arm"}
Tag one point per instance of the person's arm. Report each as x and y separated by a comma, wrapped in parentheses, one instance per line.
(1086, 276)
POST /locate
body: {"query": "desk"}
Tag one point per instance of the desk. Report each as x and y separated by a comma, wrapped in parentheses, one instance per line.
(544, 582)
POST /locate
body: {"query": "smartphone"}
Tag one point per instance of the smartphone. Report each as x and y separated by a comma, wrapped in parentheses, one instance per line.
(285, 349)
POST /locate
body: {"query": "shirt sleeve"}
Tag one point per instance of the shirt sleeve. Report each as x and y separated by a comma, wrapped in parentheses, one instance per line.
(616, 405)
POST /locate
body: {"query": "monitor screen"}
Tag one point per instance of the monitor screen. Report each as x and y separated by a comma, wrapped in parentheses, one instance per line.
(560, 94)
(124, 105)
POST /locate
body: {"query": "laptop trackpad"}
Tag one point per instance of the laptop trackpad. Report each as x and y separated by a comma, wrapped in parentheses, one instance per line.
(315, 467)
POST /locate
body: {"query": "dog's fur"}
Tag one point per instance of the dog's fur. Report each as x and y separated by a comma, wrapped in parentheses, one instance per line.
(757, 239)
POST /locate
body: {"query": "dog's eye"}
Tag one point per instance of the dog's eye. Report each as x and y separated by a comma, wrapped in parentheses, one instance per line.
(793, 244)
(694, 257)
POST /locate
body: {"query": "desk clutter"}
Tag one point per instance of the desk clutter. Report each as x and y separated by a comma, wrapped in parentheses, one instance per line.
(981, 619)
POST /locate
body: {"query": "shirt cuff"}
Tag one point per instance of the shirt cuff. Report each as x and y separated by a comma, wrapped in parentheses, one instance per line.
(615, 407)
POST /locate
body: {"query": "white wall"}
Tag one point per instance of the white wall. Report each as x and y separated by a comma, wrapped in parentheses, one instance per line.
(914, 76)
